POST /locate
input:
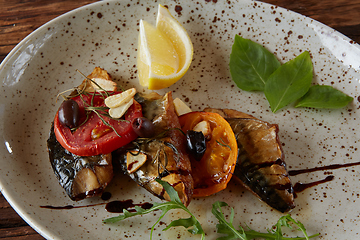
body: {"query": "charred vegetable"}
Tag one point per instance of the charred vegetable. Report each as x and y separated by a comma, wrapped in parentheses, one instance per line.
(260, 164)
(162, 156)
(215, 168)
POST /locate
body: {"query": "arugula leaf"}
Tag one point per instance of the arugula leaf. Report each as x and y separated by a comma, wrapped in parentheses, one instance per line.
(225, 227)
(251, 64)
(289, 82)
(191, 224)
(322, 96)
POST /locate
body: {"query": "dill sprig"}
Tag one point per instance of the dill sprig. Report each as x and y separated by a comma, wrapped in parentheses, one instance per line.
(105, 122)
(101, 112)
(223, 143)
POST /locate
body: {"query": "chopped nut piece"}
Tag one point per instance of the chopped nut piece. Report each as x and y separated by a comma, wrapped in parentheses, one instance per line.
(118, 112)
(134, 160)
(101, 77)
(104, 84)
(204, 127)
(180, 107)
(119, 99)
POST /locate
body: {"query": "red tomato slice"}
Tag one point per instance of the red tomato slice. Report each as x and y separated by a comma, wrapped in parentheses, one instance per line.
(94, 137)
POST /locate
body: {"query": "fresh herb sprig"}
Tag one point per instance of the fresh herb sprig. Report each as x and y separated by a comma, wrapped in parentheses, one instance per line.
(227, 227)
(191, 223)
(223, 227)
(254, 68)
(101, 112)
(223, 143)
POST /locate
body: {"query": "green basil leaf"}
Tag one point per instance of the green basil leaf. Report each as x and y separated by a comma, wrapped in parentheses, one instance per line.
(321, 96)
(289, 82)
(251, 64)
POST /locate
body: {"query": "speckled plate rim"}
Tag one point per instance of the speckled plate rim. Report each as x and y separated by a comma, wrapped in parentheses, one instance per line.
(11, 199)
(43, 231)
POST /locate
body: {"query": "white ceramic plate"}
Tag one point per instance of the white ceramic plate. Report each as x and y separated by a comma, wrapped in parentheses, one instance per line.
(105, 34)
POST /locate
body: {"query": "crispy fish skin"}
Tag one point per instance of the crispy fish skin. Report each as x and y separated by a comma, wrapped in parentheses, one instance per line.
(166, 155)
(81, 177)
(260, 165)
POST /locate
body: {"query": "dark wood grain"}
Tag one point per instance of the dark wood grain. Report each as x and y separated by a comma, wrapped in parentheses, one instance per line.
(18, 18)
(12, 226)
(342, 15)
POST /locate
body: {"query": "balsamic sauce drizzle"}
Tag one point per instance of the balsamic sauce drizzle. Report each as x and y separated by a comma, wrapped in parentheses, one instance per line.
(112, 207)
(328, 167)
(118, 206)
(299, 187)
(68, 207)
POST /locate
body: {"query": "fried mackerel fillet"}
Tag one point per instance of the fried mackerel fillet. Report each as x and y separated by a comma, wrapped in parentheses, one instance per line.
(82, 177)
(260, 165)
(162, 157)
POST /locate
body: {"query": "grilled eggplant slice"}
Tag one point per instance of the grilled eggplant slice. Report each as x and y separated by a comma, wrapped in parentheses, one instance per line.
(260, 165)
(165, 154)
(81, 177)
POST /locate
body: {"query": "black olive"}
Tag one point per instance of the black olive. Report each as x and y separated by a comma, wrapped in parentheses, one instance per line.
(69, 113)
(196, 144)
(143, 127)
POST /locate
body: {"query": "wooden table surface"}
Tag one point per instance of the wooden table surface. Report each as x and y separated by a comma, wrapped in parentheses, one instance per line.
(18, 18)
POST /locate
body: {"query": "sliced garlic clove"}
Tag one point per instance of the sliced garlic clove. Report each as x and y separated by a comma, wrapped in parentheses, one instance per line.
(104, 84)
(180, 107)
(204, 127)
(134, 160)
(120, 98)
(118, 112)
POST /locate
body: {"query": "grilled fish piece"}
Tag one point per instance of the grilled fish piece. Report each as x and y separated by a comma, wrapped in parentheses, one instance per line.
(166, 157)
(260, 165)
(81, 177)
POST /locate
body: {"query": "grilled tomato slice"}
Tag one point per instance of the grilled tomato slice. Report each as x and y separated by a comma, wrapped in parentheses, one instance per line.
(96, 134)
(214, 170)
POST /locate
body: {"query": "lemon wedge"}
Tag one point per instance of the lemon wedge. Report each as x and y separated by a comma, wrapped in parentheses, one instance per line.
(164, 53)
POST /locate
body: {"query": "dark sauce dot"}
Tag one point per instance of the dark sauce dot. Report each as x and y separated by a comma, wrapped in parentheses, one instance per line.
(106, 196)
(119, 206)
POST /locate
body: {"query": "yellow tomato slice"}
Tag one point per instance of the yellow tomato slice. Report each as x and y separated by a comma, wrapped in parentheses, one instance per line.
(213, 172)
